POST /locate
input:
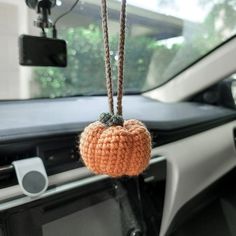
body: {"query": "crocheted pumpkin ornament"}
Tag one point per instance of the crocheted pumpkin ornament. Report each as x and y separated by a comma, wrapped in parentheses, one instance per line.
(111, 145)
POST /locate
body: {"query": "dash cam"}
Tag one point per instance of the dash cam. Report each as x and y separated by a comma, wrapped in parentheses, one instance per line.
(42, 51)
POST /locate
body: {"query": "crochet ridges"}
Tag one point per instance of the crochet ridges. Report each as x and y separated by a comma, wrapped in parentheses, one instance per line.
(117, 150)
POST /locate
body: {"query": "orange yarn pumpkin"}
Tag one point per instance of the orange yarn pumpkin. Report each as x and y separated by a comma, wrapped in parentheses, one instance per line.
(113, 146)
(116, 150)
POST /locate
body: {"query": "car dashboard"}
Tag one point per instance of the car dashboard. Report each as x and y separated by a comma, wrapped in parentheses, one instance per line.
(50, 129)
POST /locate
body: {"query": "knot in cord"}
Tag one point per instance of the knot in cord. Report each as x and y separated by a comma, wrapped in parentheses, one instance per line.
(111, 120)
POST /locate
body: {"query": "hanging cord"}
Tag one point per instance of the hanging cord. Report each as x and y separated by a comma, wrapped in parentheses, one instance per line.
(106, 117)
(107, 56)
(121, 59)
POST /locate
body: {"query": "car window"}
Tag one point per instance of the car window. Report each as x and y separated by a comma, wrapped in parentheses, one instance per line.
(163, 38)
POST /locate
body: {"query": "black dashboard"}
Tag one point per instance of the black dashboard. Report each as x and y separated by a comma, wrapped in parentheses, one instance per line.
(50, 128)
(52, 117)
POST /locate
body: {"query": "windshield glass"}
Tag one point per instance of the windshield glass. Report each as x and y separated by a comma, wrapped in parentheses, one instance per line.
(163, 38)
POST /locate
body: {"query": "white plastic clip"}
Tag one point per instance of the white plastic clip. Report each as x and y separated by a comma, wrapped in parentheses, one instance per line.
(31, 176)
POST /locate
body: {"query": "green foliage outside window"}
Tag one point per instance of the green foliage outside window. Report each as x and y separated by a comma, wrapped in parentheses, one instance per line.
(85, 71)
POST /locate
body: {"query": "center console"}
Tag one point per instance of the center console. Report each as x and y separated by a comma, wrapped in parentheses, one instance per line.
(76, 202)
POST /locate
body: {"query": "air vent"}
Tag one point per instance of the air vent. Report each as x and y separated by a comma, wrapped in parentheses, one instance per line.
(10, 153)
(14, 152)
(59, 154)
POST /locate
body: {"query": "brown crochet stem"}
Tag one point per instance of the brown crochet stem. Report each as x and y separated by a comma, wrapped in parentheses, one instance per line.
(120, 60)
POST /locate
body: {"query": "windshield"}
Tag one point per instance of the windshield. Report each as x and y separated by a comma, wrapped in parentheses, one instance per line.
(163, 38)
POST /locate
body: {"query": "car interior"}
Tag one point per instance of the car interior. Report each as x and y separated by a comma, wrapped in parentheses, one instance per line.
(117, 118)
